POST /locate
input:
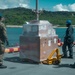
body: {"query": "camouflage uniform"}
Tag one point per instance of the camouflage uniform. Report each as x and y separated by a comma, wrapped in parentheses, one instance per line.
(3, 38)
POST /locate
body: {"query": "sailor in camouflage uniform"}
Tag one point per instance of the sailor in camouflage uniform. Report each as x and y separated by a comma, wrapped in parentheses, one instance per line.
(3, 39)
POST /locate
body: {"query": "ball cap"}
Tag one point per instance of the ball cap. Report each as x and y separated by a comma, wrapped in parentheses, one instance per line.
(68, 22)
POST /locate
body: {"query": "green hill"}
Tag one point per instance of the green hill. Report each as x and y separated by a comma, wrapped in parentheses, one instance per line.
(18, 16)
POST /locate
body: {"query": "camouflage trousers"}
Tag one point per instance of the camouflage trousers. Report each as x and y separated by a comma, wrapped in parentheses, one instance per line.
(2, 48)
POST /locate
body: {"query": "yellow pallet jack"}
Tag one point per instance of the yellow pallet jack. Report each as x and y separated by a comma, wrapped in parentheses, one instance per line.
(53, 60)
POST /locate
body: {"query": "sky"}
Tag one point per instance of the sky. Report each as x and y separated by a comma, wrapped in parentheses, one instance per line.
(49, 5)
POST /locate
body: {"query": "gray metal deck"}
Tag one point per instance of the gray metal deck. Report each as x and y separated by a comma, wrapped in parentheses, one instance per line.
(16, 67)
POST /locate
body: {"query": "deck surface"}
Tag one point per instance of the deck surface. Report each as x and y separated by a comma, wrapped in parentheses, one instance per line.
(16, 67)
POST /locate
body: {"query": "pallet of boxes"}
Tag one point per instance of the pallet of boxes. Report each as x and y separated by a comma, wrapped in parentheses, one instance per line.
(39, 43)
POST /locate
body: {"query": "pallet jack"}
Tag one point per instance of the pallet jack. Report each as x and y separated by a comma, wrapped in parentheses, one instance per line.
(53, 60)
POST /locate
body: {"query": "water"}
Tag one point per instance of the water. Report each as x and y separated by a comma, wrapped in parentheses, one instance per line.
(14, 34)
(61, 33)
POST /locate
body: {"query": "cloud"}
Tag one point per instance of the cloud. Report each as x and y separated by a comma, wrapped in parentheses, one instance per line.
(71, 7)
(4, 4)
(60, 7)
(24, 5)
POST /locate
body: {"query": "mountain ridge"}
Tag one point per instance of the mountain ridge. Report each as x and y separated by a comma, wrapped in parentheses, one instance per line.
(19, 15)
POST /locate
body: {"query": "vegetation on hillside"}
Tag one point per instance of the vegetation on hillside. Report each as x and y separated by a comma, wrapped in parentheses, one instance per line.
(18, 16)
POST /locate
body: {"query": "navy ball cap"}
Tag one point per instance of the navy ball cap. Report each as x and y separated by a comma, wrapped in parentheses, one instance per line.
(68, 22)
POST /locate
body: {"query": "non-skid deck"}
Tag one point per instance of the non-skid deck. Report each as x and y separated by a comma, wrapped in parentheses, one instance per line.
(16, 67)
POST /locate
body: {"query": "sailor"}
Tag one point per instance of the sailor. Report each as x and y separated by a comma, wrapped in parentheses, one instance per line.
(3, 39)
(68, 40)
